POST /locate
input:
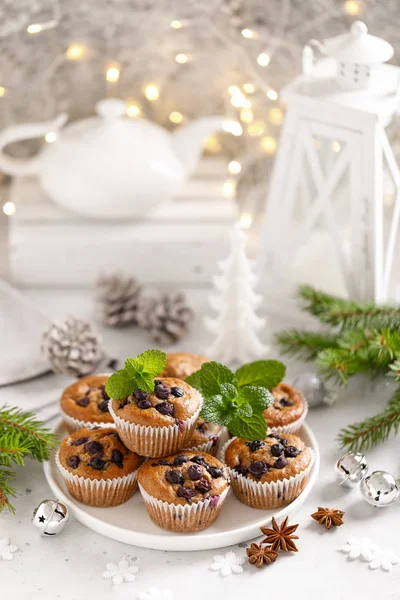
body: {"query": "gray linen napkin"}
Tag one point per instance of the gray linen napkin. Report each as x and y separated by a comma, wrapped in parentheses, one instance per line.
(21, 325)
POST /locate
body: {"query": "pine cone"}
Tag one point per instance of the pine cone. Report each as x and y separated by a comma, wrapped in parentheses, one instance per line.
(166, 317)
(118, 299)
(72, 347)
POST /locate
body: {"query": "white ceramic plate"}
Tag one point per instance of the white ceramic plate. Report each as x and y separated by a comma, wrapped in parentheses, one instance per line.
(129, 523)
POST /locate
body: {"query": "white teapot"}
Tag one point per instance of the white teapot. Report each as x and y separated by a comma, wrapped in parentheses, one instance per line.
(108, 166)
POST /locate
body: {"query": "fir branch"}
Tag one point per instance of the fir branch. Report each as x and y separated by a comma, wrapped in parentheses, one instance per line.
(21, 435)
(374, 430)
(345, 314)
(6, 490)
(40, 438)
(305, 344)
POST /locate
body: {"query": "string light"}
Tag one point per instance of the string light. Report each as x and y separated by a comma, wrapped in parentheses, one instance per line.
(176, 117)
(212, 144)
(335, 146)
(256, 129)
(246, 115)
(249, 88)
(229, 188)
(50, 137)
(176, 24)
(268, 144)
(133, 110)
(272, 95)
(276, 116)
(75, 52)
(233, 127)
(9, 208)
(234, 167)
(181, 58)
(233, 89)
(245, 220)
(249, 34)
(352, 7)
(2, 91)
(263, 59)
(112, 74)
(152, 92)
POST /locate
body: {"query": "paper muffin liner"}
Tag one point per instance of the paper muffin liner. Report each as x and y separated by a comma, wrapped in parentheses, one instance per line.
(294, 425)
(73, 424)
(99, 492)
(267, 495)
(155, 442)
(184, 518)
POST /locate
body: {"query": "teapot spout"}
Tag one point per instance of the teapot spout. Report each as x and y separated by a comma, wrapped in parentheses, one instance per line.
(187, 141)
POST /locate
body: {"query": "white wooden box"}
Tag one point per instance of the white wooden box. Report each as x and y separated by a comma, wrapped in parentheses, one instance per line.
(178, 242)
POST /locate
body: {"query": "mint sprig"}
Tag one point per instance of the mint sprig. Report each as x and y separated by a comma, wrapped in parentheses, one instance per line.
(138, 373)
(237, 400)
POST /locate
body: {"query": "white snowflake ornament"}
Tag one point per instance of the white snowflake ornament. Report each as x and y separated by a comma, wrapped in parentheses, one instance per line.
(384, 559)
(227, 564)
(6, 549)
(120, 572)
(366, 550)
(155, 594)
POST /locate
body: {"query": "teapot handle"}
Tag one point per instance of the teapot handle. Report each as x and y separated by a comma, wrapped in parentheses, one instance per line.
(308, 55)
(15, 133)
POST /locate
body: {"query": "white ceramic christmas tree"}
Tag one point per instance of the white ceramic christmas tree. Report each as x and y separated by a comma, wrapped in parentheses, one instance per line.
(236, 323)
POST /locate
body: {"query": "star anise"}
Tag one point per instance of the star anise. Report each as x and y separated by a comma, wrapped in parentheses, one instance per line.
(328, 517)
(280, 537)
(260, 555)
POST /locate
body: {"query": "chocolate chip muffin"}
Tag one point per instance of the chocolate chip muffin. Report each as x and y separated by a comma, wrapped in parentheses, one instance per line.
(158, 423)
(97, 468)
(288, 411)
(182, 364)
(205, 437)
(85, 403)
(184, 492)
(268, 473)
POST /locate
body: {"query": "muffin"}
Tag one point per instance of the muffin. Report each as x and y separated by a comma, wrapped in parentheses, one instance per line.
(205, 437)
(182, 364)
(184, 492)
(158, 423)
(288, 411)
(270, 473)
(97, 468)
(85, 404)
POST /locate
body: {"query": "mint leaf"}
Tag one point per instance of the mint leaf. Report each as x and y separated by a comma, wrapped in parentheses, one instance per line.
(248, 428)
(194, 380)
(266, 373)
(119, 385)
(214, 410)
(212, 375)
(139, 372)
(150, 361)
(258, 397)
(245, 411)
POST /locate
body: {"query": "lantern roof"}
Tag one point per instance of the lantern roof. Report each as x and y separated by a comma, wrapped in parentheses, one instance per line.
(358, 46)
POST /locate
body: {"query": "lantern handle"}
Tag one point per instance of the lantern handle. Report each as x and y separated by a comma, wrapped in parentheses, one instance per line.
(308, 58)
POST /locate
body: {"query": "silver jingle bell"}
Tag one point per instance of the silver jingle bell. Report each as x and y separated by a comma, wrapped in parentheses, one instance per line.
(351, 468)
(50, 517)
(379, 489)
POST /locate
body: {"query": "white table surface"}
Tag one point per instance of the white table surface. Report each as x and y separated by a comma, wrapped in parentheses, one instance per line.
(69, 566)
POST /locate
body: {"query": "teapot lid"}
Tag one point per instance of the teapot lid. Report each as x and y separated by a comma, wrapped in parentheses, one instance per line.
(358, 46)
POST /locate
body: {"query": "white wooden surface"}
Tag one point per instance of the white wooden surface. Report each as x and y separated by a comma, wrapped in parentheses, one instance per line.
(69, 567)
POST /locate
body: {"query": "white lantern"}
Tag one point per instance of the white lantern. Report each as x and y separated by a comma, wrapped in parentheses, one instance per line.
(356, 53)
(336, 194)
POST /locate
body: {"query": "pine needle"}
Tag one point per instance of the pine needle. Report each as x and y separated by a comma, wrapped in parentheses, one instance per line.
(21, 435)
(374, 430)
